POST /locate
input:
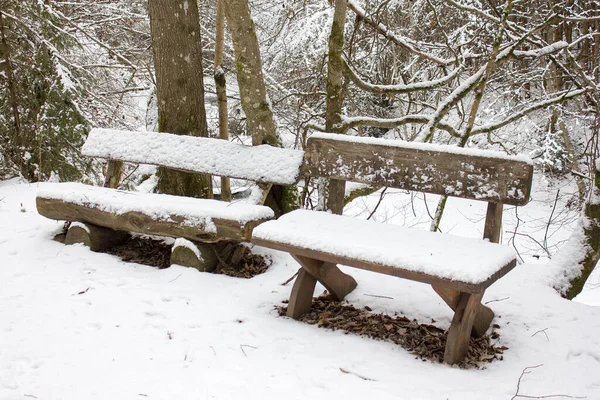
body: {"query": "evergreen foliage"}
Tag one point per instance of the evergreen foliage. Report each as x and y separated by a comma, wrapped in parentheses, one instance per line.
(41, 126)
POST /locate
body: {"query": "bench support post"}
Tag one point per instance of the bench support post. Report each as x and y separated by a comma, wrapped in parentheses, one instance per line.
(302, 294)
(329, 275)
(493, 222)
(459, 333)
(483, 316)
(97, 238)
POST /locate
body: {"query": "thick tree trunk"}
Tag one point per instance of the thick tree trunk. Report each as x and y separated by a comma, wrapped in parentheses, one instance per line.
(177, 50)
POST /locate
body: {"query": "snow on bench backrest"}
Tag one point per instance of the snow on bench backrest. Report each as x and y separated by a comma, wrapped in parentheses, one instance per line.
(470, 173)
(195, 154)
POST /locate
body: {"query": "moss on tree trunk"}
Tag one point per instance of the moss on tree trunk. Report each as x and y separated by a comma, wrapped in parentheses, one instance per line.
(592, 240)
(253, 93)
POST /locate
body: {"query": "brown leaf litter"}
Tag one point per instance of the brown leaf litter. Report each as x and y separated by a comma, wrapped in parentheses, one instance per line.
(425, 341)
(249, 266)
(143, 250)
(157, 253)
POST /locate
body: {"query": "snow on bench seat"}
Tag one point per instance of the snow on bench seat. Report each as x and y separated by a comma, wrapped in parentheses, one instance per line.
(150, 213)
(196, 154)
(469, 265)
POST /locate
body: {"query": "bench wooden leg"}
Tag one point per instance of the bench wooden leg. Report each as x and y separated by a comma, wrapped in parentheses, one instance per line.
(186, 253)
(302, 294)
(329, 275)
(459, 333)
(97, 238)
(483, 316)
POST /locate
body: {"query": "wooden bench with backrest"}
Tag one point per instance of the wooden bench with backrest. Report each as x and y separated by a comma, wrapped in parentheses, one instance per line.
(103, 216)
(459, 269)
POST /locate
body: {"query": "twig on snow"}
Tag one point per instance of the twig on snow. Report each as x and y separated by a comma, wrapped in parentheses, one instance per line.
(82, 292)
(543, 331)
(527, 370)
(364, 378)
(491, 301)
(246, 345)
(381, 297)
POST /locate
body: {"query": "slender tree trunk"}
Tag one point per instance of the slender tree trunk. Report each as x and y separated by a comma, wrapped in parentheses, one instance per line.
(221, 86)
(255, 103)
(175, 32)
(334, 194)
(253, 93)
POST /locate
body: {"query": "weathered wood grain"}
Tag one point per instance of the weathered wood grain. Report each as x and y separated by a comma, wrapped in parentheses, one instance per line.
(493, 222)
(459, 333)
(468, 176)
(183, 255)
(483, 316)
(97, 238)
(174, 226)
(197, 155)
(329, 275)
(385, 269)
(302, 294)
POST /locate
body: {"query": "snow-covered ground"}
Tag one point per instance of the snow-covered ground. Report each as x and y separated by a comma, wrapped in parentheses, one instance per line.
(81, 325)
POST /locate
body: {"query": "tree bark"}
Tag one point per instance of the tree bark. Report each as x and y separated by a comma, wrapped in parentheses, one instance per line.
(221, 87)
(254, 99)
(175, 34)
(16, 140)
(253, 93)
(335, 73)
(591, 229)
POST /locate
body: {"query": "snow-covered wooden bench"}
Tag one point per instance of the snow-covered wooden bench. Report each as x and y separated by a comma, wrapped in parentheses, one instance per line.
(459, 269)
(102, 215)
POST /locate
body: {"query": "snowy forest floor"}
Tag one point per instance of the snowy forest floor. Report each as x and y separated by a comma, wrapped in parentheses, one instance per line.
(82, 325)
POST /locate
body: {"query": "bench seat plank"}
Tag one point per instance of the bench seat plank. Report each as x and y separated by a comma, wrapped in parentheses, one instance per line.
(149, 213)
(464, 264)
(265, 164)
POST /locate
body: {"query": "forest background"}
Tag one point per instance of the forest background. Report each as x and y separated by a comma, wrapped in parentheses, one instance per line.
(514, 76)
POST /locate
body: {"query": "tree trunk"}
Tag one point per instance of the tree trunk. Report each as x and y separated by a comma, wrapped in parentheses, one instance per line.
(248, 64)
(221, 87)
(114, 170)
(255, 102)
(175, 33)
(591, 229)
(334, 195)
(16, 140)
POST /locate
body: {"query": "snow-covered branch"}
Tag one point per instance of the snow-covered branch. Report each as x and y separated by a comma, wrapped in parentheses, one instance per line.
(353, 122)
(397, 89)
(537, 106)
(401, 41)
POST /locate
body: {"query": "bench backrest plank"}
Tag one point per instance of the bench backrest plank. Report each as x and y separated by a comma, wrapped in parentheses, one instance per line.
(265, 164)
(469, 173)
